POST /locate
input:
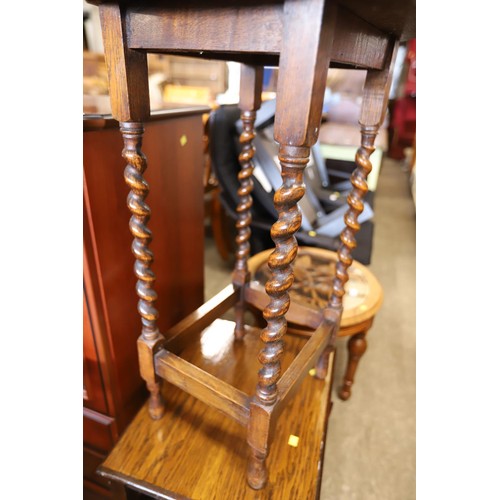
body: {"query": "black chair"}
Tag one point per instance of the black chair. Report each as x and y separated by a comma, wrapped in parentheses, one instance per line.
(317, 214)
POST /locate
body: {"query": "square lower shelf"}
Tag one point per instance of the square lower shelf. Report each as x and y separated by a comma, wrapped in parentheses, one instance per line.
(197, 452)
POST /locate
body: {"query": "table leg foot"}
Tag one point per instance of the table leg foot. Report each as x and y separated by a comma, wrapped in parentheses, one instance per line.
(356, 347)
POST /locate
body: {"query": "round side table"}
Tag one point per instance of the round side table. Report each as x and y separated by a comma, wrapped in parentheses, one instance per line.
(314, 270)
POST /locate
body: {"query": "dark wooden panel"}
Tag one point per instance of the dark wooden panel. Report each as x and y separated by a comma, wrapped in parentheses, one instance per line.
(99, 431)
(93, 491)
(190, 25)
(96, 310)
(93, 390)
(174, 149)
(92, 460)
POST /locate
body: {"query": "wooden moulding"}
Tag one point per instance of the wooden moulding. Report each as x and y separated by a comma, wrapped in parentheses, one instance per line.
(202, 31)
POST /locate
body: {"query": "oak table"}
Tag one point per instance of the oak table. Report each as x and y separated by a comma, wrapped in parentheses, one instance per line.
(303, 38)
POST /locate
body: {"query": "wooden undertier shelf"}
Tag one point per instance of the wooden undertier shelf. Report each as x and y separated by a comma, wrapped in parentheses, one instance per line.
(211, 389)
(195, 452)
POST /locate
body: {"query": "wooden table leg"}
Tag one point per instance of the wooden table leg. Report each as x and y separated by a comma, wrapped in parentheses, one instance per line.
(150, 338)
(356, 347)
(250, 100)
(375, 100)
(129, 94)
(301, 86)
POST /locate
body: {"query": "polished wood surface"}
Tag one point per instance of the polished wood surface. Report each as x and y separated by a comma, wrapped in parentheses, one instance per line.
(101, 120)
(196, 452)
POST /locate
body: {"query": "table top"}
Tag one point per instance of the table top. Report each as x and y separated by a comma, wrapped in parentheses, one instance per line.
(195, 452)
(396, 17)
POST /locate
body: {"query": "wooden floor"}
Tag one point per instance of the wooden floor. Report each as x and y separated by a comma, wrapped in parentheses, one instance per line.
(198, 453)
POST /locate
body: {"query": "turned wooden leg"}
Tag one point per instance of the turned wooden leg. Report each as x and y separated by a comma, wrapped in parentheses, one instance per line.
(356, 348)
(257, 474)
(301, 86)
(375, 99)
(239, 313)
(323, 363)
(129, 95)
(259, 438)
(250, 100)
(150, 338)
(293, 161)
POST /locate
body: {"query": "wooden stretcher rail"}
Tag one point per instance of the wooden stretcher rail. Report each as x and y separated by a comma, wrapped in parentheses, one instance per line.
(203, 386)
(289, 383)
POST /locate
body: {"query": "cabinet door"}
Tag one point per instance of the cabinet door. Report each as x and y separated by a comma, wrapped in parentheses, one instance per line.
(93, 386)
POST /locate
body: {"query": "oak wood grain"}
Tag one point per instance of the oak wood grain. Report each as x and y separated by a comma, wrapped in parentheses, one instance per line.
(203, 386)
(195, 28)
(396, 17)
(198, 453)
(127, 69)
(305, 53)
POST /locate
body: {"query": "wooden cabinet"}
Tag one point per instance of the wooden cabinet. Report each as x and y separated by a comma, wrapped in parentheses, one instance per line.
(113, 390)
